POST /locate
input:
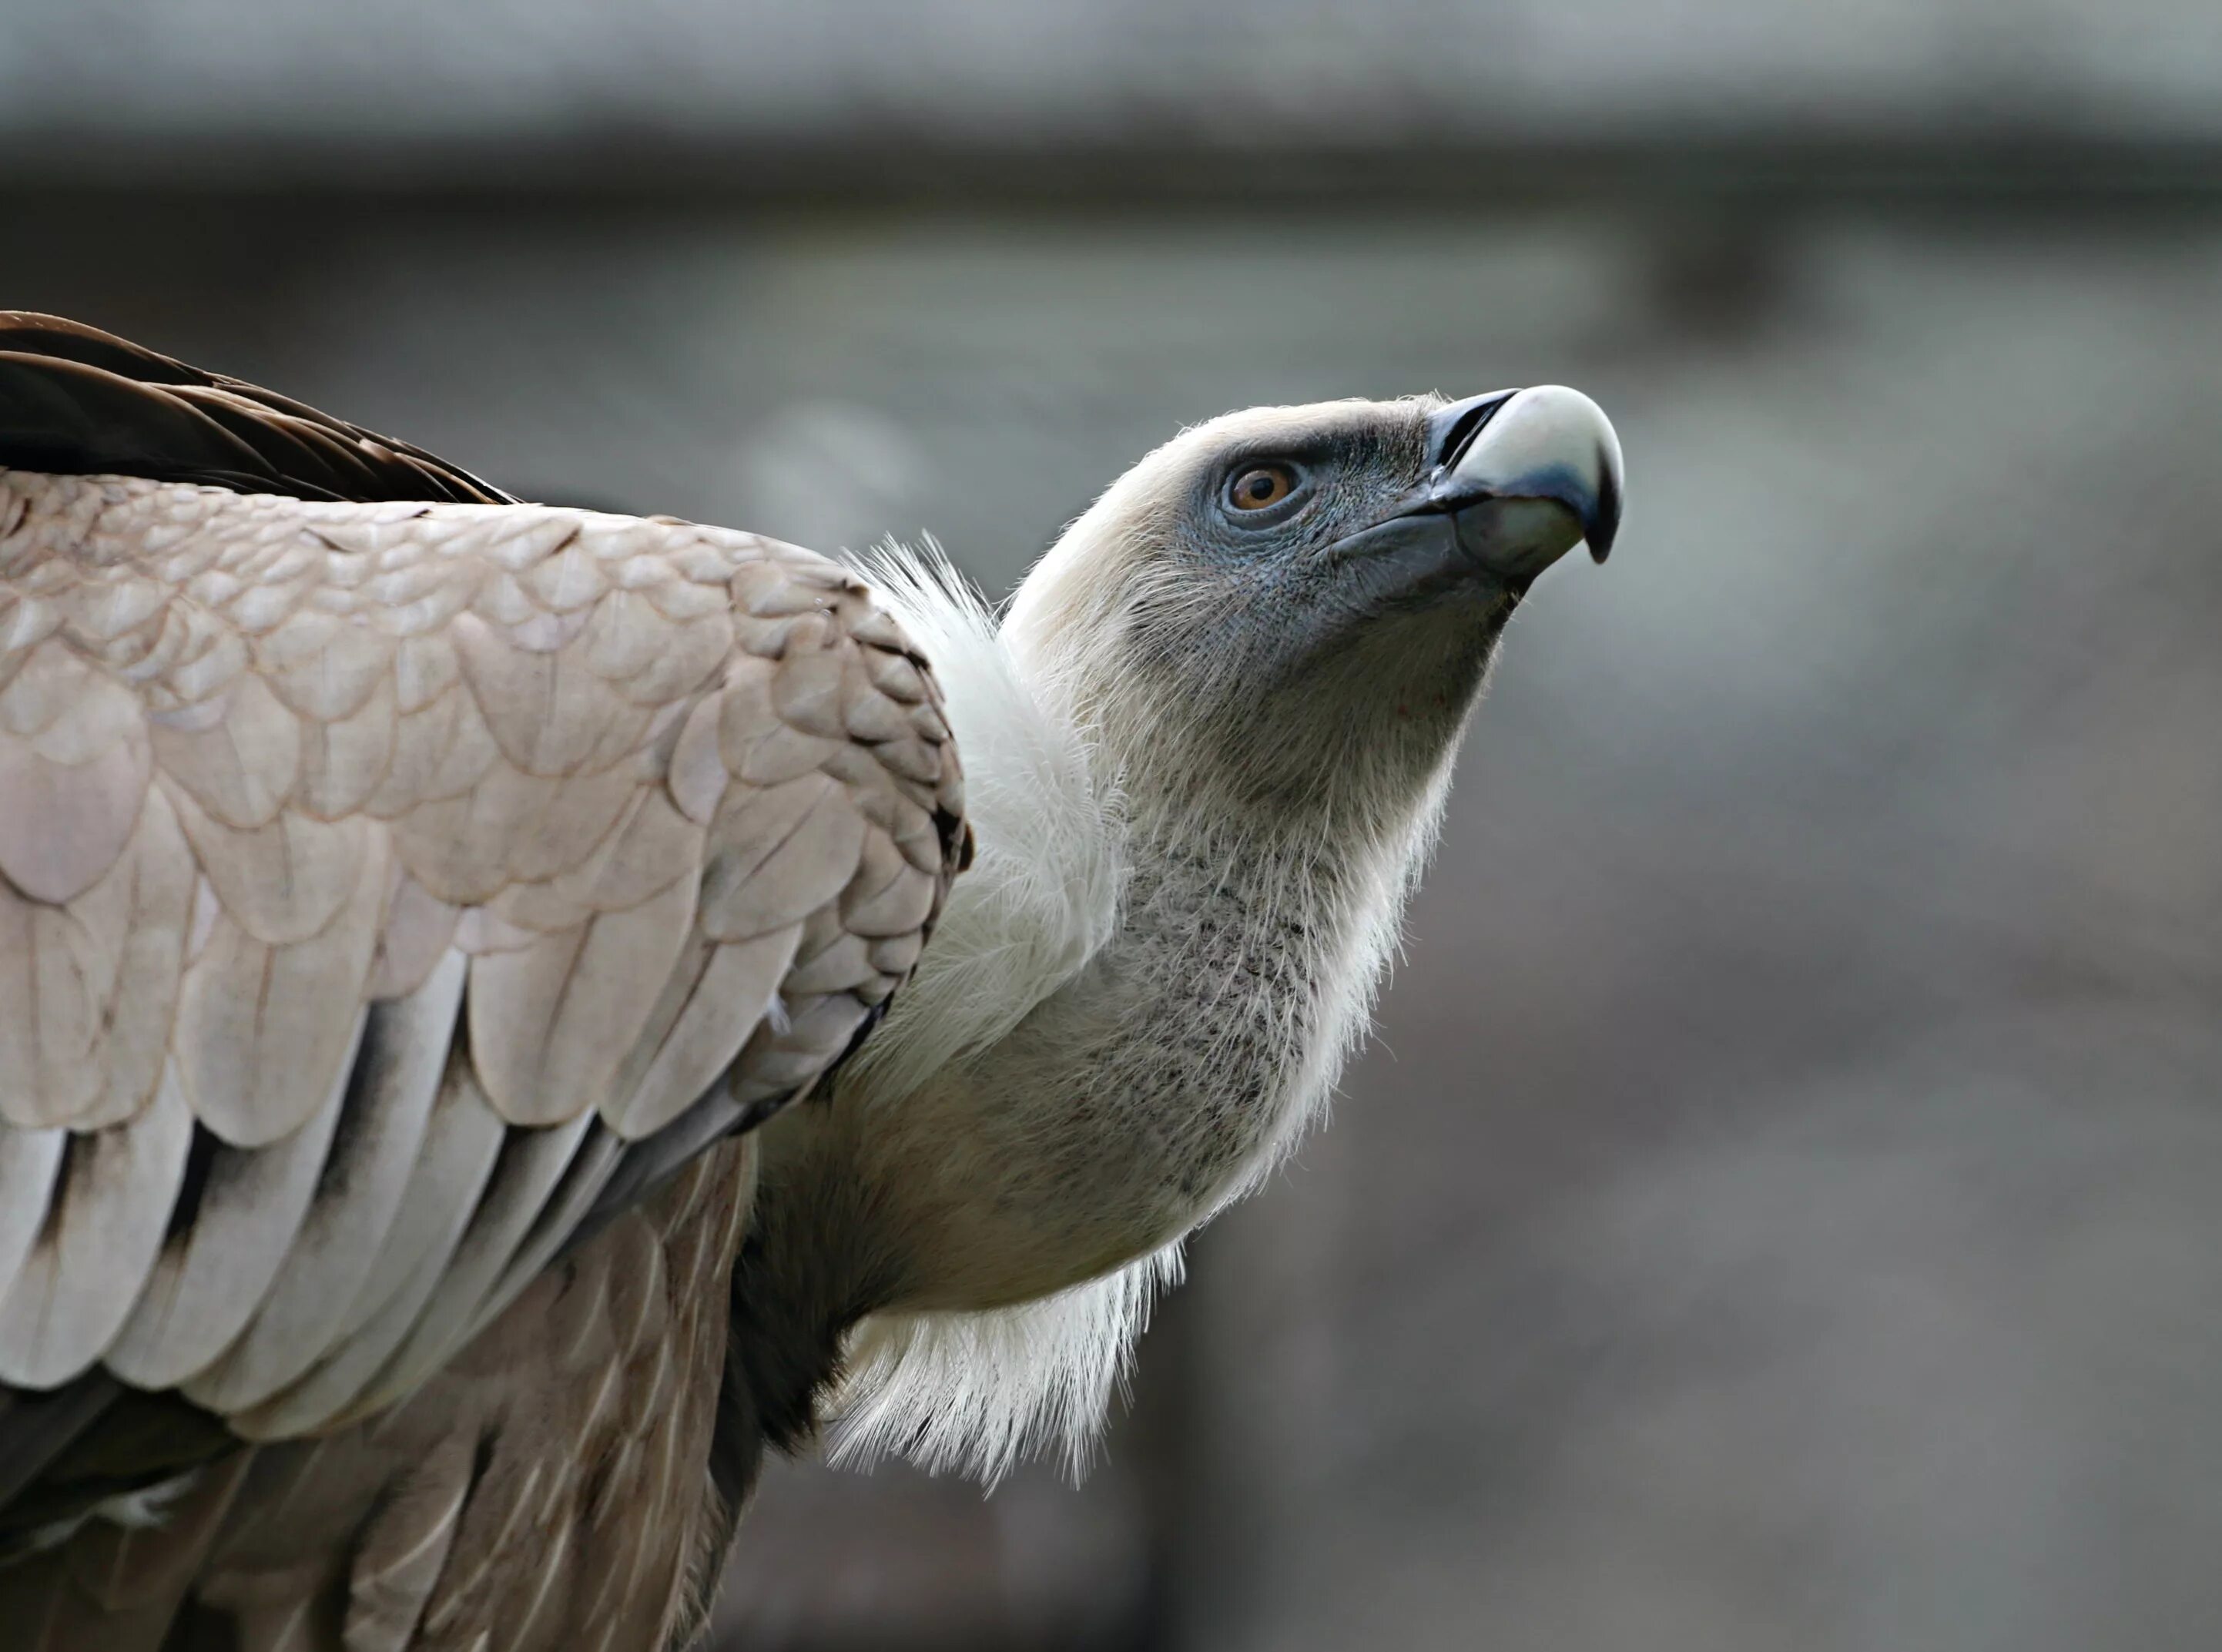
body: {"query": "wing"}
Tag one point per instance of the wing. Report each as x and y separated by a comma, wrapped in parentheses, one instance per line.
(76, 401)
(542, 1491)
(391, 893)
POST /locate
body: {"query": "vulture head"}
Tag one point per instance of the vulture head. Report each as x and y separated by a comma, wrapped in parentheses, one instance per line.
(1289, 610)
(1207, 749)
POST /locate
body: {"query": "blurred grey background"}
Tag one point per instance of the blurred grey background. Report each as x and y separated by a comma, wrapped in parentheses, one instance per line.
(1783, 1207)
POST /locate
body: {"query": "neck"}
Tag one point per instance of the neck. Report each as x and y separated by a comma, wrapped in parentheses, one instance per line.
(1127, 1106)
(1133, 1005)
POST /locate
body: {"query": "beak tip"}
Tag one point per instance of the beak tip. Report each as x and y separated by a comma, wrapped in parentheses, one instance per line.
(1602, 527)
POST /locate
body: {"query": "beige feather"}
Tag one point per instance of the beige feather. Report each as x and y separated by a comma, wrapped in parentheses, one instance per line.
(112, 1199)
(141, 911)
(526, 914)
(532, 1166)
(406, 1042)
(696, 776)
(87, 991)
(240, 769)
(442, 748)
(212, 1275)
(836, 968)
(424, 668)
(900, 907)
(74, 787)
(777, 854)
(549, 1023)
(692, 652)
(29, 1161)
(696, 1029)
(343, 761)
(418, 928)
(623, 635)
(282, 882)
(262, 1030)
(323, 666)
(549, 711)
(651, 843)
(461, 1145)
(808, 691)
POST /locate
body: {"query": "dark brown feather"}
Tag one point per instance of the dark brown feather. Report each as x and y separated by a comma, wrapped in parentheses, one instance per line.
(76, 401)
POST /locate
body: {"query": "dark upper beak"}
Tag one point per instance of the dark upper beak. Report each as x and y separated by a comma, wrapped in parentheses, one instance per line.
(1526, 475)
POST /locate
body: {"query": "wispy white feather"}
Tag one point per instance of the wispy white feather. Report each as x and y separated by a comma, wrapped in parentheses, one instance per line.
(978, 1391)
(1043, 895)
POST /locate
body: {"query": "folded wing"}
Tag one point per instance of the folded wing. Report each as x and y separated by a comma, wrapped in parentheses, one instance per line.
(390, 892)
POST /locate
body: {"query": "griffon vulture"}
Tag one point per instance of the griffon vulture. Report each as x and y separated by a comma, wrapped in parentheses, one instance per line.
(497, 1029)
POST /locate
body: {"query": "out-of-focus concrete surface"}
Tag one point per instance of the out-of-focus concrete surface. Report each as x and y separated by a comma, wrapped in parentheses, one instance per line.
(1784, 1205)
(268, 85)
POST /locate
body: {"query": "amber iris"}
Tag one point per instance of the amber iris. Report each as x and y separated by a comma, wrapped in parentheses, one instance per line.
(1261, 485)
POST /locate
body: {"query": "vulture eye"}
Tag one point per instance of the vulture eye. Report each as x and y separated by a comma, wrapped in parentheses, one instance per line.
(1261, 485)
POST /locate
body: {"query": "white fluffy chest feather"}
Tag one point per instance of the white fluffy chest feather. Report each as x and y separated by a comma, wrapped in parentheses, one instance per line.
(1043, 896)
(1112, 1035)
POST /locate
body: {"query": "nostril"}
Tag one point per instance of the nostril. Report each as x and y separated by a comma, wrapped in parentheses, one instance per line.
(1454, 428)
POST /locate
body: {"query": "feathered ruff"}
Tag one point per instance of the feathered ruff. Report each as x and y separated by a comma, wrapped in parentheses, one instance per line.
(977, 1392)
(1042, 896)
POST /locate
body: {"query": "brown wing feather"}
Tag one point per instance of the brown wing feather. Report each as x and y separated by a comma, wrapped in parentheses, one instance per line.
(76, 401)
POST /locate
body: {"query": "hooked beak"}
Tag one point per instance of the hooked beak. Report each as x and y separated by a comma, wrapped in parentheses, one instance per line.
(1525, 474)
(1514, 479)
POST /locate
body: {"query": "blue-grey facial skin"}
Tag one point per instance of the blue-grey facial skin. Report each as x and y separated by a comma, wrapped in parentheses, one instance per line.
(1326, 641)
(1341, 568)
(1326, 634)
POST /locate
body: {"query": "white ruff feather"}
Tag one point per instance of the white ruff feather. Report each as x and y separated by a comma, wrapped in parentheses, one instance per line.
(1043, 895)
(976, 1393)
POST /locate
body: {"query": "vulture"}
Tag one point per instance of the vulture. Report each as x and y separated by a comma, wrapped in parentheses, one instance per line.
(508, 1012)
